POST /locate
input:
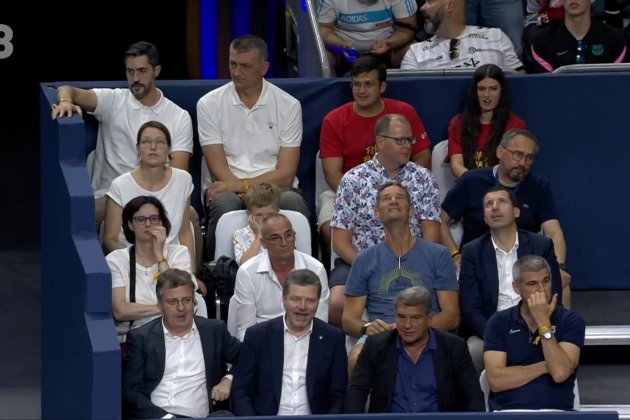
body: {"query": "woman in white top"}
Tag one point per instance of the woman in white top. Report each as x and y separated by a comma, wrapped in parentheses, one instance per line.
(153, 176)
(146, 226)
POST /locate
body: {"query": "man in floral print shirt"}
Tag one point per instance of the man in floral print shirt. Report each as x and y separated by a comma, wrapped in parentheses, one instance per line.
(354, 224)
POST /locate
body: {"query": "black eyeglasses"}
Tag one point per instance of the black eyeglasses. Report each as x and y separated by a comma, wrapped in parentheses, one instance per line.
(580, 58)
(453, 51)
(517, 156)
(400, 140)
(153, 219)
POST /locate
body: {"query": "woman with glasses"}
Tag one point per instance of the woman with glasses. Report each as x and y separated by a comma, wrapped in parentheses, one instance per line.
(135, 269)
(473, 135)
(155, 177)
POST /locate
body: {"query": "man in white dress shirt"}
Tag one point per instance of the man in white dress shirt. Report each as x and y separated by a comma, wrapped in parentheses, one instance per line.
(259, 281)
(293, 364)
(177, 363)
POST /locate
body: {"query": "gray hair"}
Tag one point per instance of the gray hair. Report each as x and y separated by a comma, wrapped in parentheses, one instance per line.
(171, 279)
(506, 140)
(302, 277)
(529, 264)
(415, 296)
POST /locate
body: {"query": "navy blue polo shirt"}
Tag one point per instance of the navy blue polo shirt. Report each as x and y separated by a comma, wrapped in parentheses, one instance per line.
(416, 388)
(465, 201)
(506, 331)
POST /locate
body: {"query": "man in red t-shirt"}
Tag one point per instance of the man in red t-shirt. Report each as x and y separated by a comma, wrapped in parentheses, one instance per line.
(347, 140)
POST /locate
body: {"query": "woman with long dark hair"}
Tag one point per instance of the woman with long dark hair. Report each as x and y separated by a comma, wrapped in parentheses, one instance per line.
(473, 135)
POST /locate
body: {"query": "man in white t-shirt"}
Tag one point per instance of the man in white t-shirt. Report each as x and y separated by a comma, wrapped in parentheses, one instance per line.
(457, 46)
(120, 113)
(250, 132)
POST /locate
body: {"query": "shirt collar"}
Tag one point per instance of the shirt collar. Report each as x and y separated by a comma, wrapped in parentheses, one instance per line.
(136, 104)
(263, 99)
(497, 249)
(264, 264)
(286, 328)
(431, 342)
(191, 333)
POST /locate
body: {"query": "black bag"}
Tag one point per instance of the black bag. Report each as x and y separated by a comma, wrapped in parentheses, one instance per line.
(219, 277)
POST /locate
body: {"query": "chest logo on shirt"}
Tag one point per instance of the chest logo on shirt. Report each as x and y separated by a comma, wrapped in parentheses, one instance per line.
(597, 49)
(399, 279)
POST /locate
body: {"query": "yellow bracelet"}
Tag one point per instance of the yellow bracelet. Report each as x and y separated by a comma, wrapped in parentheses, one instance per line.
(65, 100)
(245, 185)
(455, 253)
(161, 260)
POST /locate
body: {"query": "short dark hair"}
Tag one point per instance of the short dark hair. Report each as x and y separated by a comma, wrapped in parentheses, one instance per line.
(415, 296)
(302, 277)
(366, 64)
(496, 188)
(246, 43)
(529, 264)
(138, 49)
(171, 279)
(133, 206)
(159, 126)
(392, 184)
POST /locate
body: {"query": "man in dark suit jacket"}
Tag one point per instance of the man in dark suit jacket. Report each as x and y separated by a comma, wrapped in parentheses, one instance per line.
(293, 364)
(164, 350)
(414, 368)
(483, 287)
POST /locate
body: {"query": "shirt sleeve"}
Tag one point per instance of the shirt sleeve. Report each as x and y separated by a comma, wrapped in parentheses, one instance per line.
(546, 208)
(572, 330)
(403, 9)
(115, 192)
(357, 284)
(245, 303)
(120, 274)
(330, 143)
(456, 199)
(322, 309)
(342, 216)
(426, 189)
(241, 243)
(209, 119)
(291, 131)
(105, 101)
(454, 138)
(496, 332)
(182, 135)
(326, 12)
(510, 59)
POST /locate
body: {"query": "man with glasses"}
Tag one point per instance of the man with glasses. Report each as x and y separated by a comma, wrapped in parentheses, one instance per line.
(578, 39)
(259, 281)
(455, 45)
(532, 350)
(516, 153)
(355, 227)
(178, 362)
(347, 140)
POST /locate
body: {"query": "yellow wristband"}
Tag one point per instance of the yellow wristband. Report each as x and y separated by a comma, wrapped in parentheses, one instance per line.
(245, 185)
(65, 100)
(455, 253)
(161, 260)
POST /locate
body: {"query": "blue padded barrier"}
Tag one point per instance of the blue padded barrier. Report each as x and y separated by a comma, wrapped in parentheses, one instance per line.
(581, 121)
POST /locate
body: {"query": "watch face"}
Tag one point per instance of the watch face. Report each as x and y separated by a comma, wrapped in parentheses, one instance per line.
(547, 335)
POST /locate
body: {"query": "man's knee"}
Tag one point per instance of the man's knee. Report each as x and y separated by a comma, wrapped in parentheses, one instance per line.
(475, 348)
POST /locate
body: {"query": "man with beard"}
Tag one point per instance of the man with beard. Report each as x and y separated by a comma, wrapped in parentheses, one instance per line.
(120, 113)
(516, 153)
(456, 45)
(412, 367)
(532, 350)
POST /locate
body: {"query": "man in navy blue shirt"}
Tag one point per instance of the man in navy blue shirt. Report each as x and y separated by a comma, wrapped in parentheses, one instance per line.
(532, 350)
(516, 153)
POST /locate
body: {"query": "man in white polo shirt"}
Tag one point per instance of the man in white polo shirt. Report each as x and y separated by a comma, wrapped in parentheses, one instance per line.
(250, 132)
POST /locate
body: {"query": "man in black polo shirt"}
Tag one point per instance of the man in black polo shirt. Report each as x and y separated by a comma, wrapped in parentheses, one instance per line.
(532, 350)
(577, 40)
(516, 152)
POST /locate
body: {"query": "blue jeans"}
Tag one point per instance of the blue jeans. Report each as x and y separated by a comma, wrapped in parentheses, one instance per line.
(504, 14)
